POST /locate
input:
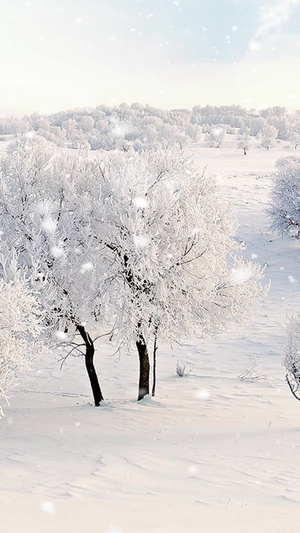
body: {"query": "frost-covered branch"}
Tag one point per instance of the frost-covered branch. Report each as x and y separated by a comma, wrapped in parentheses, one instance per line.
(21, 322)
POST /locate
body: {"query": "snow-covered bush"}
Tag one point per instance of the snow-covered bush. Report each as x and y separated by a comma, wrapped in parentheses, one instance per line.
(181, 370)
(285, 200)
(21, 321)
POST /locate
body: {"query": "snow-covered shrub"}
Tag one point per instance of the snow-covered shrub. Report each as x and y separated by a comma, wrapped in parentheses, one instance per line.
(252, 373)
(181, 370)
(284, 209)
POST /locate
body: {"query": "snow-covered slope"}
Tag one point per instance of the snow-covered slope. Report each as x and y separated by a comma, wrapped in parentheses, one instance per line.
(211, 453)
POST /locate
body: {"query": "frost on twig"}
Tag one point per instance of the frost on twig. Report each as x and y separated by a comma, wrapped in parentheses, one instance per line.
(181, 370)
(20, 322)
(252, 373)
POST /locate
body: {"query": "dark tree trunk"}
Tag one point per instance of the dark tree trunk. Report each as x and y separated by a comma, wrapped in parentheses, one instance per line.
(144, 368)
(245, 152)
(154, 366)
(293, 391)
(89, 357)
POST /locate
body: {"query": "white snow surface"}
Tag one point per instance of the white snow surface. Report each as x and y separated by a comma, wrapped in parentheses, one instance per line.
(210, 453)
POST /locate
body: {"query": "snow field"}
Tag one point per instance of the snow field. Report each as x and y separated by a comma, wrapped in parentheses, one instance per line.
(211, 453)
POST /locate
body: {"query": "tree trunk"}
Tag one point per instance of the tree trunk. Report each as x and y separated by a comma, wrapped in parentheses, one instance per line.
(144, 368)
(89, 357)
(154, 365)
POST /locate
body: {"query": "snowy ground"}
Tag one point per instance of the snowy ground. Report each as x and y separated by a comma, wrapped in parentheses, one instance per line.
(211, 453)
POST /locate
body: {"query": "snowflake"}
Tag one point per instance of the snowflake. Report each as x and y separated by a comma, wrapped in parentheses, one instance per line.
(30, 134)
(86, 267)
(254, 46)
(203, 394)
(57, 251)
(48, 507)
(49, 225)
(193, 469)
(240, 275)
(141, 241)
(140, 202)
(61, 335)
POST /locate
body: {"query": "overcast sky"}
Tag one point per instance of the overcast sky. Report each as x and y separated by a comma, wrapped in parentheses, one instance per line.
(61, 54)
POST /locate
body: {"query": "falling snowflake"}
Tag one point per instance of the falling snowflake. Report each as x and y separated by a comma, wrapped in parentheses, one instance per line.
(49, 225)
(141, 241)
(86, 267)
(193, 469)
(140, 202)
(240, 275)
(254, 46)
(61, 335)
(48, 507)
(195, 230)
(30, 134)
(57, 251)
(202, 394)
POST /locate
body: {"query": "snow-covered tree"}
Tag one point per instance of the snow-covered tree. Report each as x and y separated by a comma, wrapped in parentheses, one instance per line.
(268, 135)
(216, 136)
(292, 356)
(42, 212)
(21, 319)
(285, 200)
(245, 144)
(168, 247)
(294, 137)
(86, 123)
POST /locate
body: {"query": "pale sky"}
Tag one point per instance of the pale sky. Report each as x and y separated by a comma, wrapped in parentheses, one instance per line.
(61, 54)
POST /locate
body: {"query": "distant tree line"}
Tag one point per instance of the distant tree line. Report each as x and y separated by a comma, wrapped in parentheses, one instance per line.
(143, 127)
